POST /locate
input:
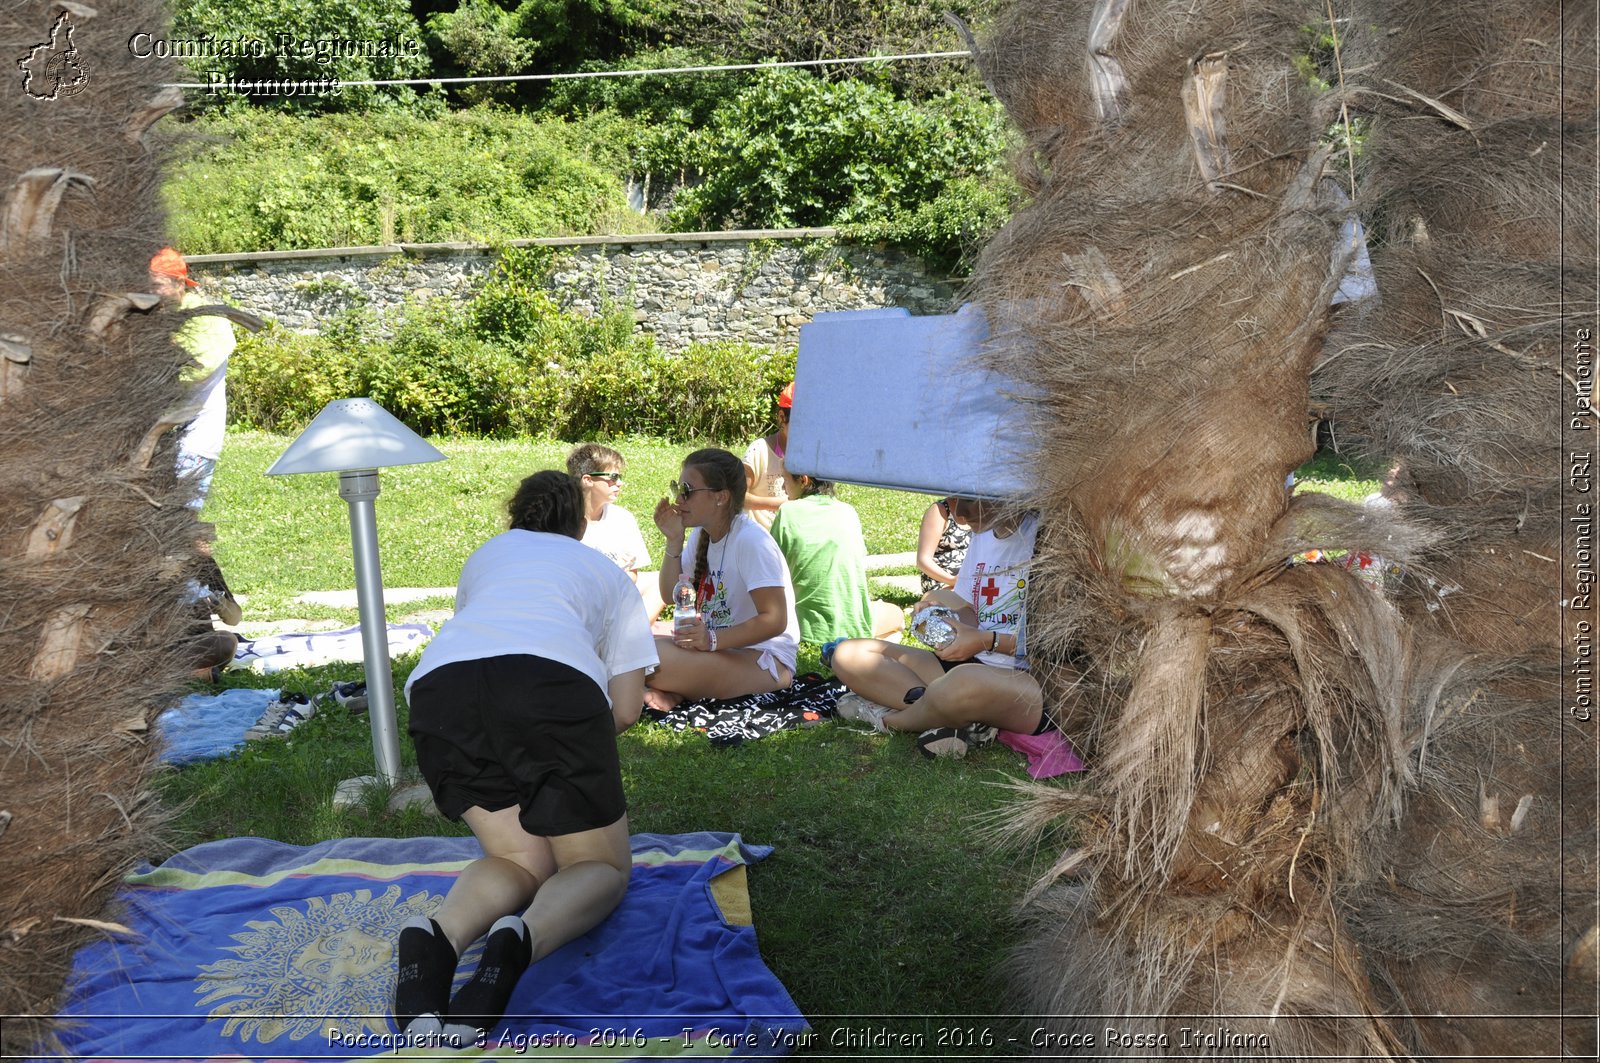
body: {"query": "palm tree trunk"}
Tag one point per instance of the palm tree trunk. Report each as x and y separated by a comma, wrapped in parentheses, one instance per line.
(96, 535)
(1274, 745)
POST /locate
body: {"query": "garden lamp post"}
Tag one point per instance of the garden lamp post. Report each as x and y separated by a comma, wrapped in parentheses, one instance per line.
(355, 438)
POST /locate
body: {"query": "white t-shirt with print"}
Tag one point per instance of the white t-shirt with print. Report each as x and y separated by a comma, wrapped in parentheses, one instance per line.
(546, 595)
(746, 559)
(994, 578)
(616, 534)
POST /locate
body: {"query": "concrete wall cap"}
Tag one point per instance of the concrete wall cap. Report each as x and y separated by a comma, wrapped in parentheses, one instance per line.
(610, 240)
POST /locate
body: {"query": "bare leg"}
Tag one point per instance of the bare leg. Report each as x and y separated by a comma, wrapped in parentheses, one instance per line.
(970, 693)
(565, 885)
(502, 881)
(884, 671)
(724, 674)
(595, 866)
(505, 880)
(974, 693)
(887, 619)
(650, 591)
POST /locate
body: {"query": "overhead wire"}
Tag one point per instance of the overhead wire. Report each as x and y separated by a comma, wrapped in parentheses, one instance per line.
(487, 78)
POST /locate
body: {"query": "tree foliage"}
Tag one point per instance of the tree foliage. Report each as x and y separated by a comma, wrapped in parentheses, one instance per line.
(480, 39)
(568, 32)
(910, 153)
(307, 40)
(795, 150)
(836, 29)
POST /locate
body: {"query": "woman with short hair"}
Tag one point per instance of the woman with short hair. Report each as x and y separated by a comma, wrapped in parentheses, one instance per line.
(515, 709)
(611, 529)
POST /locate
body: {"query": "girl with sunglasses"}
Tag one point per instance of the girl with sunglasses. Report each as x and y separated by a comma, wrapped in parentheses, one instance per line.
(747, 639)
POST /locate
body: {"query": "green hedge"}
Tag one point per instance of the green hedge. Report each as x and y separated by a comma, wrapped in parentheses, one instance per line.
(510, 362)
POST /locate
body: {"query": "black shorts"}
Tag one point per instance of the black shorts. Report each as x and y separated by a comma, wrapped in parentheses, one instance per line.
(949, 665)
(518, 730)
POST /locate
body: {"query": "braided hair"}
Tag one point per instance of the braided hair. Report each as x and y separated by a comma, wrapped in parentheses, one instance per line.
(548, 501)
(722, 471)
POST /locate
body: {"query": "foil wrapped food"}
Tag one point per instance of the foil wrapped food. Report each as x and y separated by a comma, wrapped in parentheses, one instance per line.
(935, 626)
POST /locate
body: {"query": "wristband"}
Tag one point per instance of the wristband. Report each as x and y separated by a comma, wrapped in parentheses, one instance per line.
(672, 557)
(994, 641)
(711, 633)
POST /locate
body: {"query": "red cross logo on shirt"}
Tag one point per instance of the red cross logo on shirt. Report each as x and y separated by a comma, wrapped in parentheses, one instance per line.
(989, 591)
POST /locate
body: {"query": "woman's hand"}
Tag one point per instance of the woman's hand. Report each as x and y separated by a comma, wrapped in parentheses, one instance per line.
(692, 634)
(669, 521)
(968, 643)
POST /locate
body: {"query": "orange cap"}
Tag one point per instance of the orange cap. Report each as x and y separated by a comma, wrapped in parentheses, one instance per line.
(168, 263)
(786, 396)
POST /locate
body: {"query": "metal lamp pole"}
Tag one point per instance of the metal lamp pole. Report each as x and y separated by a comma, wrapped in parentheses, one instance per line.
(359, 489)
(355, 438)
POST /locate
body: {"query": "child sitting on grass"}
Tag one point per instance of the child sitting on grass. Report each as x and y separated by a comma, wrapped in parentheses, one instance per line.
(820, 537)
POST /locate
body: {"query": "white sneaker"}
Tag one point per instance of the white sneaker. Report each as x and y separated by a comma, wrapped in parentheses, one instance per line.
(283, 716)
(859, 709)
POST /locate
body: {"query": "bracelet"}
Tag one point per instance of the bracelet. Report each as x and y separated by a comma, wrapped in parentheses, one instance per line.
(994, 641)
(672, 557)
(711, 633)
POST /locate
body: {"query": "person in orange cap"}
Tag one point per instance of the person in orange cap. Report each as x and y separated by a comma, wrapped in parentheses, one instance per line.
(209, 341)
(767, 483)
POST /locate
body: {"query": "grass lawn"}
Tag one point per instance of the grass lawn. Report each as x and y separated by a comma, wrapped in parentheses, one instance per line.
(279, 536)
(884, 896)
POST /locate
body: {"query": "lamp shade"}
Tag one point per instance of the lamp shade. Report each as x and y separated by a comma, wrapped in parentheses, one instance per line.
(351, 434)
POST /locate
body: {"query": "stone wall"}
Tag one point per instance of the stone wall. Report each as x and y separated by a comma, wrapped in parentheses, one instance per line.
(756, 286)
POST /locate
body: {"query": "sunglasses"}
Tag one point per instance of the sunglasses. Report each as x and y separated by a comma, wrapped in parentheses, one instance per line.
(683, 490)
(608, 477)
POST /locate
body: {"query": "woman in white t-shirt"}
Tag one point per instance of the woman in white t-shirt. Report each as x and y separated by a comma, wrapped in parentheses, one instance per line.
(612, 530)
(515, 709)
(747, 639)
(980, 676)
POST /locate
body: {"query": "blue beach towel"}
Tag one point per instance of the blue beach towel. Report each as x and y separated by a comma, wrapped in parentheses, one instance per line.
(252, 949)
(207, 726)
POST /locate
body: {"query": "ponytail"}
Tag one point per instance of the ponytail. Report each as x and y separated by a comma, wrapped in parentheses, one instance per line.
(702, 547)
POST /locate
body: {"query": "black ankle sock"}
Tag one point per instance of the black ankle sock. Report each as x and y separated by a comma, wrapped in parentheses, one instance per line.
(481, 1003)
(427, 966)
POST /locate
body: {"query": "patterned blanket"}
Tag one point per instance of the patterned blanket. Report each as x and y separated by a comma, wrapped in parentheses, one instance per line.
(806, 702)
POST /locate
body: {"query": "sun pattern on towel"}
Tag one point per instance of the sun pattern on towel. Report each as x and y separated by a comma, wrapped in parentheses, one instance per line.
(330, 967)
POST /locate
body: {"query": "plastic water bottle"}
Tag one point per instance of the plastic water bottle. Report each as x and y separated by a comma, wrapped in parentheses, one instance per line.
(685, 611)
